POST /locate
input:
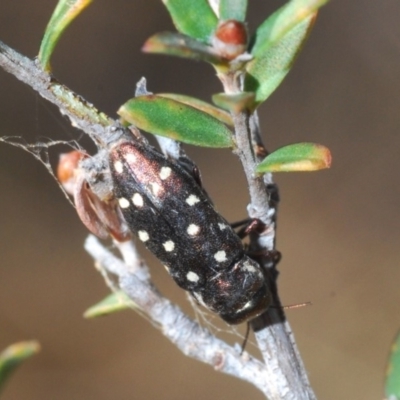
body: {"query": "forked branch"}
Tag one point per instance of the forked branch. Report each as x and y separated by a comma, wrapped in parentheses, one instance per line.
(282, 376)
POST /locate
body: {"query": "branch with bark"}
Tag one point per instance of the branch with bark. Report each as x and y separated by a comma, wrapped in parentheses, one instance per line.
(282, 374)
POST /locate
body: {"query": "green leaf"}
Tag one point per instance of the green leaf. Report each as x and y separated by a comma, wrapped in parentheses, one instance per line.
(117, 301)
(65, 12)
(235, 103)
(282, 21)
(208, 108)
(296, 157)
(194, 18)
(165, 117)
(179, 45)
(232, 9)
(266, 72)
(392, 384)
(13, 356)
(276, 44)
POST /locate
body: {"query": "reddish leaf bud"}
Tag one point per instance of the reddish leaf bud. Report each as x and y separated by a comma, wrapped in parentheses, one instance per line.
(100, 217)
(230, 39)
(66, 169)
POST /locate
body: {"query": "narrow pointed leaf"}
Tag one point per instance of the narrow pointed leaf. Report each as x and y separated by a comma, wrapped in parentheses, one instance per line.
(178, 121)
(267, 70)
(235, 103)
(179, 45)
(117, 301)
(232, 9)
(208, 108)
(392, 384)
(13, 356)
(65, 12)
(282, 21)
(194, 18)
(296, 157)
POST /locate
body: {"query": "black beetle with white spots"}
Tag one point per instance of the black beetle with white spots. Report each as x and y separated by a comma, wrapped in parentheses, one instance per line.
(167, 209)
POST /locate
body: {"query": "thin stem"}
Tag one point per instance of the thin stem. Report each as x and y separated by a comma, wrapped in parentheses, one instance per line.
(82, 114)
(283, 376)
(192, 339)
(286, 377)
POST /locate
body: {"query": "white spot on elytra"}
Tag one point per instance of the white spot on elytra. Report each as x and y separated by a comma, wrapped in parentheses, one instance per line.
(123, 203)
(137, 200)
(155, 188)
(192, 200)
(169, 245)
(143, 236)
(220, 256)
(193, 229)
(165, 172)
(118, 166)
(130, 158)
(249, 267)
(192, 276)
(222, 226)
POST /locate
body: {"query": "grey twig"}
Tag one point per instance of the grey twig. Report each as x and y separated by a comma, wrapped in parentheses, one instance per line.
(81, 113)
(283, 375)
(192, 339)
(286, 373)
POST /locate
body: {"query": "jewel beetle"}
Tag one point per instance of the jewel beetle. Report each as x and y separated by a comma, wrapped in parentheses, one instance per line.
(166, 208)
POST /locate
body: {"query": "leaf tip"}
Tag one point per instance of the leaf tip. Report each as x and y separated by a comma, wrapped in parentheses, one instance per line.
(298, 157)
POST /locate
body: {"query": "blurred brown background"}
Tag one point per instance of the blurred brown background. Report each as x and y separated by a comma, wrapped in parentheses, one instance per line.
(339, 230)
